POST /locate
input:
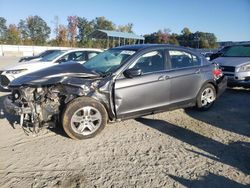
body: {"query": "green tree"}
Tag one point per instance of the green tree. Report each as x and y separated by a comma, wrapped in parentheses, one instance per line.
(203, 40)
(173, 39)
(126, 28)
(24, 32)
(85, 27)
(38, 30)
(103, 23)
(13, 35)
(185, 31)
(3, 29)
(186, 38)
(159, 37)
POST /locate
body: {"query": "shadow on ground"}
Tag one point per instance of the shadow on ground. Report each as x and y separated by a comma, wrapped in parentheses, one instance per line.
(235, 154)
(211, 180)
(3, 114)
(231, 112)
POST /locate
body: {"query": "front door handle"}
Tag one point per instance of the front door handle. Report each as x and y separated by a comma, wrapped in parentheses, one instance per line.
(167, 77)
(161, 78)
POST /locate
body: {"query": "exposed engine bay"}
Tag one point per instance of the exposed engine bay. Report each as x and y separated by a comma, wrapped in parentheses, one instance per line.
(38, 107)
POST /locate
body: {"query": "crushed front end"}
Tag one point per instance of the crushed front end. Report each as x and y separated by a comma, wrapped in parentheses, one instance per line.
(37, 107)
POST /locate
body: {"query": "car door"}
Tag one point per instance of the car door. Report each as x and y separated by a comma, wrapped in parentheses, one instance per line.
(145, 93)
(185, 76)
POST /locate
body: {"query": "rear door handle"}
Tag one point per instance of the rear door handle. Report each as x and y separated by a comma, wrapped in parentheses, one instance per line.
(197, 71)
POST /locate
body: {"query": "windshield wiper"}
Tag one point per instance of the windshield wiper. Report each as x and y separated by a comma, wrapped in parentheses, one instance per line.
(106, 74)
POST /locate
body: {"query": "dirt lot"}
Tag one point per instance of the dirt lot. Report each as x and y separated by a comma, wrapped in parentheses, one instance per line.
(181, 148)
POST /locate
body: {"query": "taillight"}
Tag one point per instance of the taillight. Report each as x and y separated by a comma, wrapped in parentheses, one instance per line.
(217, 72)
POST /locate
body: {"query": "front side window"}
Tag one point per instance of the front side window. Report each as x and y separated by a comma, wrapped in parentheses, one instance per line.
(80, 56)
(150, 62)
(181, 59)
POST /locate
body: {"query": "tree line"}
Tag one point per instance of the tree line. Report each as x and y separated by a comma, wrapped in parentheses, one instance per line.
(35, 31)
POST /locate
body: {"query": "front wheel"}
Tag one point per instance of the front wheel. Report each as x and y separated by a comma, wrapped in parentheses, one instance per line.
(84, 118)
(206, 97)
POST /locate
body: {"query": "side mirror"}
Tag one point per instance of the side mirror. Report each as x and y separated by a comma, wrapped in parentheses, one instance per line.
(130, 73)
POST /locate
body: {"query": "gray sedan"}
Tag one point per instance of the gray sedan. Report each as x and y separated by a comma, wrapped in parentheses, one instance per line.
(118, 84)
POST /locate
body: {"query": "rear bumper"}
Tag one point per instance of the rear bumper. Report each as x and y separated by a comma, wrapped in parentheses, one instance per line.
(221, 85)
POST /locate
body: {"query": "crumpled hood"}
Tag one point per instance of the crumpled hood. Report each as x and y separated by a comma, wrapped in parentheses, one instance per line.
(232, 61)
(53, 75)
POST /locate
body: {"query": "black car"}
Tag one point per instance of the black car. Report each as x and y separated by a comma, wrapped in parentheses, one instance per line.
(120, 83)
(41, 55)
(219, 53)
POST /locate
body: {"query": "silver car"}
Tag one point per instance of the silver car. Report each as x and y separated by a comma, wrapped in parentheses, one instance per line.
(235, 63)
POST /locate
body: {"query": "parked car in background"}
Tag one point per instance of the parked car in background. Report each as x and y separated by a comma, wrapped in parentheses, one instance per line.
(207, 55)
(219, 53)
(52, 59)
(37, 57)
(120, 83)
(235, 63)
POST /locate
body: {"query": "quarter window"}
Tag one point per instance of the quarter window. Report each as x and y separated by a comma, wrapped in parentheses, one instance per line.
(181, 59)
(150, 62)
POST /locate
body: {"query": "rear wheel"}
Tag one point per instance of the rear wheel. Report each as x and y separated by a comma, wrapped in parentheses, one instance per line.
(84, 118)
(206, 97)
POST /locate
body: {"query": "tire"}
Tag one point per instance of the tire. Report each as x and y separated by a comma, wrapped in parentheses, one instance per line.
(206, 97)
(84, 118)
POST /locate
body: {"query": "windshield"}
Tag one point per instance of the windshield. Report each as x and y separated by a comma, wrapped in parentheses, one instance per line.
(52, 56)
(237, 51)
(47, 52)
(108, 61)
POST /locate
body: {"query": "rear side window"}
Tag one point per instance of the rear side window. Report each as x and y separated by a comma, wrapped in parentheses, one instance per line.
(150, 62)
(181, 59)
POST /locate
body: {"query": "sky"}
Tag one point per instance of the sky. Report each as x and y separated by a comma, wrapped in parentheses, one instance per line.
(229, 20)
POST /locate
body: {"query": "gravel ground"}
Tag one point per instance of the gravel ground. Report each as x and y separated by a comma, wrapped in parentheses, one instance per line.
(181, 148)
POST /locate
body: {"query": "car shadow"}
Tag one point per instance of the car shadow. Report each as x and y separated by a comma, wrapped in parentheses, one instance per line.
(210, 180)
(59, 130)
(231, 112)
(235, 154)
(3, 114)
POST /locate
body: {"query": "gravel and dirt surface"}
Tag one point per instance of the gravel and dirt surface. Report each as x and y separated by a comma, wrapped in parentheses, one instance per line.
(181, 148)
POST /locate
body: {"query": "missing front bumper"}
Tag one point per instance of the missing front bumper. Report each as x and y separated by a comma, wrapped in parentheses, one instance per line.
(12, 108)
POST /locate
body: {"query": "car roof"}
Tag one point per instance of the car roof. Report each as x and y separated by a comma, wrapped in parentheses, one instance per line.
(137, 47)
(84, 49)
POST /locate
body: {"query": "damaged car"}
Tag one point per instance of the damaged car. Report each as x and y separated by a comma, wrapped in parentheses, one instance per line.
(121, 83)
